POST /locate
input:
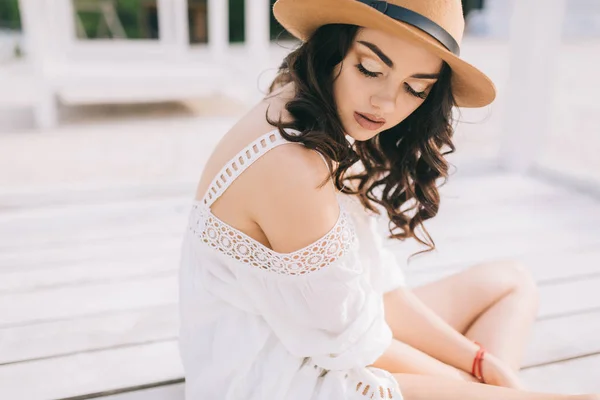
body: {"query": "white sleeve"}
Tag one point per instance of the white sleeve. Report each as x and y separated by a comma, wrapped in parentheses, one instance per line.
(390, 262)
(335, 321)
(385, 266)
(333, 316)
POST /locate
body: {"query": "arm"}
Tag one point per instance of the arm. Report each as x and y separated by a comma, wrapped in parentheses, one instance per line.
(333, 319)
(415, 324)
(428, 345)
(287, 204)
(402, 358)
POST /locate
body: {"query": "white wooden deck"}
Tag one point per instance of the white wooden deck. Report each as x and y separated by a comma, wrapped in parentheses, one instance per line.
(88, 288)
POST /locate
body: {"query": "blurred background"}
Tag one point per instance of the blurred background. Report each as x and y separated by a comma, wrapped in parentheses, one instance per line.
(110, 108)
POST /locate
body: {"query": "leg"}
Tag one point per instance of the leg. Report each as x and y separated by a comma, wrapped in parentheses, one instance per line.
(493, 303)
(422, 387)
(403, 358)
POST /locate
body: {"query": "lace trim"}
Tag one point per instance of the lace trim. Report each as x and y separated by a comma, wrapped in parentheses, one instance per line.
(241, 247)
(244, 159)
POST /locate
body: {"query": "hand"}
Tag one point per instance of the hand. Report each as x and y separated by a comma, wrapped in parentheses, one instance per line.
(496, 372)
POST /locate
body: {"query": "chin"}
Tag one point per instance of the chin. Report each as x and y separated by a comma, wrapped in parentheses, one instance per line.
(361, 135)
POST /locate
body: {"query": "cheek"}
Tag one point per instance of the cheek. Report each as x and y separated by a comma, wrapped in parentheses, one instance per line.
(404, 109)
(347, 87)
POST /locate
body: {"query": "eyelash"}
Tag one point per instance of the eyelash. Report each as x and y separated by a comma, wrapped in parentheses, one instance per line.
(370, 74)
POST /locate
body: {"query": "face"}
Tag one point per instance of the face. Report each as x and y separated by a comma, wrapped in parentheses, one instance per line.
(381, 81)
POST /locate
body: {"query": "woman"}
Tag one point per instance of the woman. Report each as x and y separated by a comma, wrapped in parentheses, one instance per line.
(285, 289)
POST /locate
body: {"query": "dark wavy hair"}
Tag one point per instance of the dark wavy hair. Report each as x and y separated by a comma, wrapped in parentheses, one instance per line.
(400, 166)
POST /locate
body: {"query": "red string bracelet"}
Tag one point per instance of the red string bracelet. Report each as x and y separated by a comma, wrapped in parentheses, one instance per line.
(477, 371)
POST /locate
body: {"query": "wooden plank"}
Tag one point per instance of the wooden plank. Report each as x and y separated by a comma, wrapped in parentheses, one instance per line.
(166, 392)
(586, 290)
(564, 338)
(89, 222)
(568, 298)
(539, 334)
(528, 210)
(443, 228)
(63, 237)
(37, 344)
(575, 376)
(66, 337)
(85, 273)
(57, 303)
(504, 188)
(486, 248)
(556, 298)
(89, 373)
(546, 266)
(77, 301)
(455, 225)
(99, 215)
(90, 209)
(109, 249)
(112, 370)
(480, 184)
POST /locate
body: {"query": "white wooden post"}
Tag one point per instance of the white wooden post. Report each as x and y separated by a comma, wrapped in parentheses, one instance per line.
(535, 34)
(64, 28)
(257, 28)
(257, 41)
(173, 26)
(218, 27)
(166, 30)
(38, 34)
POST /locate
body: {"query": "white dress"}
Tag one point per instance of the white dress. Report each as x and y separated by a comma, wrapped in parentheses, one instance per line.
(256, 324)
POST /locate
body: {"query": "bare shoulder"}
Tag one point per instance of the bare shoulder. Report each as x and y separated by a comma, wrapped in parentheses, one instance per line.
(287, 202)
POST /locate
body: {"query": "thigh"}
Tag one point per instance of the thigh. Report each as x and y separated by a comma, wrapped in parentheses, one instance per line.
(461, 298)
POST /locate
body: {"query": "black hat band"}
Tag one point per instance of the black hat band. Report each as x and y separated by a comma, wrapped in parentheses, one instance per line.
(417, 20)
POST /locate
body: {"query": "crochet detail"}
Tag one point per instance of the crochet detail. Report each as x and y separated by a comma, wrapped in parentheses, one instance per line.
(241, 247)
(238, 164)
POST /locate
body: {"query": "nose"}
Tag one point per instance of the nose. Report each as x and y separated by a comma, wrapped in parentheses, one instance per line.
(385, 101)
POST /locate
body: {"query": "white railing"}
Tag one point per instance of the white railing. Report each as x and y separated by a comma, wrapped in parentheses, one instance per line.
(50, 32)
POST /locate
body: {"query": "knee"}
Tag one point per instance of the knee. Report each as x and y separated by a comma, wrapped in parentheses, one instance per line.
(513, 276)
(521, 281)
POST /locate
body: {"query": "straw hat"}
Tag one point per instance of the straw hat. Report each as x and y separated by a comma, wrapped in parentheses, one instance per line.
(438, 25)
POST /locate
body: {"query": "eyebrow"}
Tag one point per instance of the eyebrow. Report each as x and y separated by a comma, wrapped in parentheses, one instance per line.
(387, 61)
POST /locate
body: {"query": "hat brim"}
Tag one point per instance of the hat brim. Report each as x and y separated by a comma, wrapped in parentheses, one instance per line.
(470, 86)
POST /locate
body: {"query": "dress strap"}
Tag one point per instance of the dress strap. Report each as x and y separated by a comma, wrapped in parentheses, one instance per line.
(244, 159)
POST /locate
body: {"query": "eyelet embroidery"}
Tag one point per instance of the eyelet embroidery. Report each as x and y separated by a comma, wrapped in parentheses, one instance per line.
(372, 392)
(239, 246)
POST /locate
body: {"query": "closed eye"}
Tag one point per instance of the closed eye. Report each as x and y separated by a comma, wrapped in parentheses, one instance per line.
(370, 74)
(409, 89)
(366, 72)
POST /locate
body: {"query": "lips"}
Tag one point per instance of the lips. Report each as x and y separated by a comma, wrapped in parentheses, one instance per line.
(373, 118)
(365, 121)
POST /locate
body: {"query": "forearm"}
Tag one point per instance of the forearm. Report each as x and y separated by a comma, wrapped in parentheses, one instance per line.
(415, 324)
(402, 358)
